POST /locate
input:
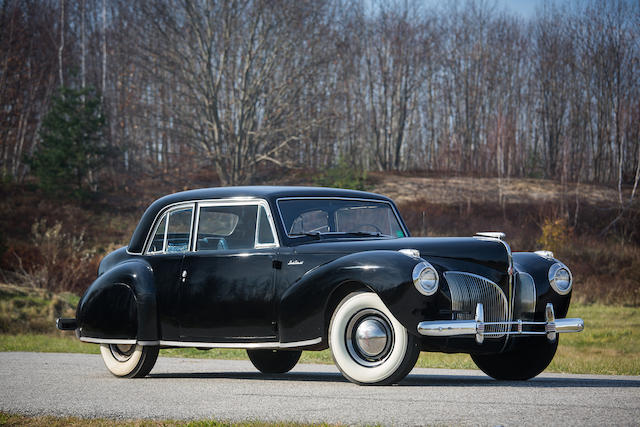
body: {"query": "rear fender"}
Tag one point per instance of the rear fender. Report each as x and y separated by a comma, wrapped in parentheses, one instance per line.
(120, 304)
(304, 307)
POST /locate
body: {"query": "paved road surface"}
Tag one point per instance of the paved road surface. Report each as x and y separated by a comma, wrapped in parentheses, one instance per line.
(79, 385)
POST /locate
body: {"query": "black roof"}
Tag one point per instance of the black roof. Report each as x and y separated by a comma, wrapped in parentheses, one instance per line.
(269, 193)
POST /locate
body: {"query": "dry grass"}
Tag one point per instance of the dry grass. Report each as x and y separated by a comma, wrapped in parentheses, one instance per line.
(7, 419)
(27, 310)
(461, 190)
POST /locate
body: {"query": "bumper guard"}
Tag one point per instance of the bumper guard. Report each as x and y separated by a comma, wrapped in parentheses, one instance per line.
(550, 327)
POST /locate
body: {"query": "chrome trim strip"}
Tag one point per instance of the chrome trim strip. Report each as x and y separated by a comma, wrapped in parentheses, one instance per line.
(107, 340)
(248, 345)
(392, 205)
(193, 239)
(300, 343)
(510, 273)
(149, 342)
(265, 345)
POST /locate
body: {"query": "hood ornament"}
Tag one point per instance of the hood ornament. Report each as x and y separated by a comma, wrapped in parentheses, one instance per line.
(492, 234)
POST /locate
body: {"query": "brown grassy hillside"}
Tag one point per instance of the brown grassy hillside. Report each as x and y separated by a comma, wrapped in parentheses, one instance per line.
(57, 244)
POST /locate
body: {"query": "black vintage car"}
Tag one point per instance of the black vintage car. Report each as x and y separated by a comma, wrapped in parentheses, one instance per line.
(278, 270)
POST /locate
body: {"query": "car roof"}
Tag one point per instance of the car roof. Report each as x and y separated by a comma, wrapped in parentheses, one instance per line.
(269, 193)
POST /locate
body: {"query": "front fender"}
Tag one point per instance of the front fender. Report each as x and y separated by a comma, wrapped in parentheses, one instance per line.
(304, 306)
(538, 268)
(120, 304)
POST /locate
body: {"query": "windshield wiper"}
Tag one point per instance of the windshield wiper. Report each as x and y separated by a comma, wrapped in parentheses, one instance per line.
(365, 233)
(315, 234)
(318, 234)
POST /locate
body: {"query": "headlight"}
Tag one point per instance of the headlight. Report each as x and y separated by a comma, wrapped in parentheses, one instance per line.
(560, 278)
(425, 278)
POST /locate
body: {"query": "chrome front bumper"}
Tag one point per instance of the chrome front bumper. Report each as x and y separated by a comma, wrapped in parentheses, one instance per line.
(550, 327)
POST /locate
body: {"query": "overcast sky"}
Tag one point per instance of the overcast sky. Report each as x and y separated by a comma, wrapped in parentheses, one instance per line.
(526, 8)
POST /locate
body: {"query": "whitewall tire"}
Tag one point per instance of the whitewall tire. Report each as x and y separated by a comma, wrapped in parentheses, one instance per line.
(129, 360)
(367, 342)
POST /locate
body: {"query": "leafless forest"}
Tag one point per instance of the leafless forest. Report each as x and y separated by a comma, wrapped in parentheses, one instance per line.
(465, 88)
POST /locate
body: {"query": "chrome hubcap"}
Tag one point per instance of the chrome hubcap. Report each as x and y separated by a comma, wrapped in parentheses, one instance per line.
(122, 352)
(369, 337)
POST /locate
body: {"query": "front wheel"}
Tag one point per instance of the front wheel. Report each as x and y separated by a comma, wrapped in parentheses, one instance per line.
(274, 361)
(367, 342)
(129, 360)
(527, 358)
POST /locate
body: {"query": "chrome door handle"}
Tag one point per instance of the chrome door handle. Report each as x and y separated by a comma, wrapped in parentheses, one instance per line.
(184, 276)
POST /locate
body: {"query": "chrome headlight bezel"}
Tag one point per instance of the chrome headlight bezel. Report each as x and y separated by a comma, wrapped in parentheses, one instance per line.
(425, 278)
(561, 285)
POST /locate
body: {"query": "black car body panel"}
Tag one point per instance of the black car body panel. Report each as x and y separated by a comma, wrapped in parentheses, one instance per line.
(285, 293)
(121, 303)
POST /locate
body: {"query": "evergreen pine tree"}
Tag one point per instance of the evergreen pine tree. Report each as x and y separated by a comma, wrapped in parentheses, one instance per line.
(72, 148)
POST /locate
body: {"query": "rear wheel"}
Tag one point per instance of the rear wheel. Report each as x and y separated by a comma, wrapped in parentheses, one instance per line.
(528, 358)
(274, 361)
(367, 342)
(129, 360)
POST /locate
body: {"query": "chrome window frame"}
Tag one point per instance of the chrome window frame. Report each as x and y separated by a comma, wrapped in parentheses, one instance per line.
(239, 202)
(357, 199)
(161, 215)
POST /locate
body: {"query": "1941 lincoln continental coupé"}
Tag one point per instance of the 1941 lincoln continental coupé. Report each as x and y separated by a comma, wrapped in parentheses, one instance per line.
(278, 270)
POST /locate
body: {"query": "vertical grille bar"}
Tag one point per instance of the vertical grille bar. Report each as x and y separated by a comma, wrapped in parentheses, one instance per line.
(467, 290)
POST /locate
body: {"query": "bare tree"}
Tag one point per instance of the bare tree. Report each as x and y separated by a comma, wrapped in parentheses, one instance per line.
(241, 65)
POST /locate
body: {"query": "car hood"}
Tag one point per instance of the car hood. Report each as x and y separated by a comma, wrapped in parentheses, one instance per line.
(489, 252)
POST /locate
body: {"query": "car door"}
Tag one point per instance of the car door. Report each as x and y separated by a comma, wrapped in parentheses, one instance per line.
(227, 279)
(165, 251)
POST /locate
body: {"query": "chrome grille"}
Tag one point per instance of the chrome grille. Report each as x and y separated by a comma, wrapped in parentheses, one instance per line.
(467, 290)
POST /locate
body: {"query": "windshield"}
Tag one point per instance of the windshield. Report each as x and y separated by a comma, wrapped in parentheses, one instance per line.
(344, 216)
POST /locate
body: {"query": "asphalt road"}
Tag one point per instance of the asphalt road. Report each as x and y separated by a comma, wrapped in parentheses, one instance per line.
(79, 385)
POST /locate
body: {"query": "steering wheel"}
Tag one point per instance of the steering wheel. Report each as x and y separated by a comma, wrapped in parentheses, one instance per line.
(375, 227)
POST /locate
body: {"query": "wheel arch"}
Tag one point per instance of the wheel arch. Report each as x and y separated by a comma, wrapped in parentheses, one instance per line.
(306, 307)
(120, 304)
(336, 297)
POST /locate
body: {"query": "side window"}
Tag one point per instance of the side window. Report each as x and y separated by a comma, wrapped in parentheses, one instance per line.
(227, 227)
(157, 244)
(265, 235)
(178, 230)
(172, 232)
